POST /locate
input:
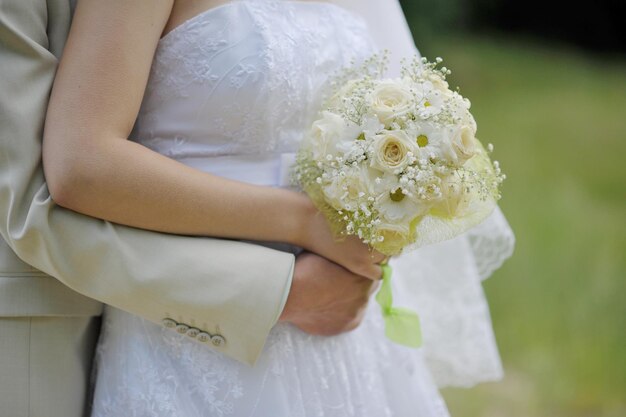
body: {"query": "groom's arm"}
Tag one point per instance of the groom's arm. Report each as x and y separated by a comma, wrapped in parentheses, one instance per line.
(220, 287)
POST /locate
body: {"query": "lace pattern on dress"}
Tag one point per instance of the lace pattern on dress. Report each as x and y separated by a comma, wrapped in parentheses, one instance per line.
(239, 57)
(153, 372)
(492, 242)
(442, 283)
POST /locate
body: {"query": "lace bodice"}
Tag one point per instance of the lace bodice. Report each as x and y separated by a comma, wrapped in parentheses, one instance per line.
(234, 80)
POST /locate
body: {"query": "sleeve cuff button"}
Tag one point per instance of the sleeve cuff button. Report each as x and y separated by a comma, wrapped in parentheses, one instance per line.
(182, 328)
(203, 337)
(217, 340)
(169, 323)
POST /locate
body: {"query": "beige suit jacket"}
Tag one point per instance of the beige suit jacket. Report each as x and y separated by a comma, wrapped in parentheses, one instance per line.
(57, 262)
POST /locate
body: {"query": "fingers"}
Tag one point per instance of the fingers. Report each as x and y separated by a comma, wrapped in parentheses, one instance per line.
(372, 271)
(368, 266)
(373, 287)
(379, 258)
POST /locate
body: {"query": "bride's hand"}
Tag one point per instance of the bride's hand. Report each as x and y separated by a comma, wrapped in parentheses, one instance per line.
(349, 252)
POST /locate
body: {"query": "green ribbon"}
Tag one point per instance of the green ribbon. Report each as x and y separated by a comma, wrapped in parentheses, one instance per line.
(401, 324)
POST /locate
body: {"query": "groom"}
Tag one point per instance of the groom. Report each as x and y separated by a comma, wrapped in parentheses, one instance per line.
(57, 266)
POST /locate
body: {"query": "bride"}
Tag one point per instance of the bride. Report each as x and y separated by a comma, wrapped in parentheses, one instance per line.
(227, 88)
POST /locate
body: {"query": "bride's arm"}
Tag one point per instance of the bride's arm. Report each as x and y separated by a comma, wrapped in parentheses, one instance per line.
(92, 168)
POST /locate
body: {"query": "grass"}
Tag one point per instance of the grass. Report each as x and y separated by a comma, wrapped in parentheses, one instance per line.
(558, 122)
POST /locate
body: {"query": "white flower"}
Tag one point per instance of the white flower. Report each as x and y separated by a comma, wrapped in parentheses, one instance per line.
(430, 98)
(371, 126)
(454, 144)
(347, 90)
(390, 151)
(389, 99)
(364, 135)
(433, 140)
(329, 135)
(398, 208)
(384, 184)
(353, 186)
(464, 143)
(395, 236)
(454, 200)
(459, 108)
(439, 83)
(393, 205)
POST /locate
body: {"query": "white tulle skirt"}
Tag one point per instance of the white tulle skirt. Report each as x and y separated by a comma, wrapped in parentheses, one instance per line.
(143, 369)
(146, 370)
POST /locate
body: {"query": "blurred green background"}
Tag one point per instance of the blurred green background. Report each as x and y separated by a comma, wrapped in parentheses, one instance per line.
(554, 105)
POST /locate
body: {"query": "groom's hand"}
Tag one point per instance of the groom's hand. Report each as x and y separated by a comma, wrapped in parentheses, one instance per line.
(325, 298)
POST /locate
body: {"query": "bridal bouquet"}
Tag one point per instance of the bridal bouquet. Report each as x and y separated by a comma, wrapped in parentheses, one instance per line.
(397, 163)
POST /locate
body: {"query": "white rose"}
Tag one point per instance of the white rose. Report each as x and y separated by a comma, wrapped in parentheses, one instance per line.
(389, 99)
(395, 237)
(464, 143)
(439, 83)
(326, 134)
(345, 192)
(347, 90)
(333, 192)
(390, 151)
(453, 199)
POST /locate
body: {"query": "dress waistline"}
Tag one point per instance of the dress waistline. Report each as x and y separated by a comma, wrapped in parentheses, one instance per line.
(260, 169)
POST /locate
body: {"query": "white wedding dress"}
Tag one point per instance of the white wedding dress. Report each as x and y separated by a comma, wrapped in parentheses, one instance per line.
(231, 92)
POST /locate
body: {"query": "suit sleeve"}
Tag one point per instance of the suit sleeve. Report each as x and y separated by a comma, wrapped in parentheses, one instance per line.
(230, 293)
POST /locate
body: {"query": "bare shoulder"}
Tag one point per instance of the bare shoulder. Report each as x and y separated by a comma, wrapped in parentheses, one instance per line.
(108, 54)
